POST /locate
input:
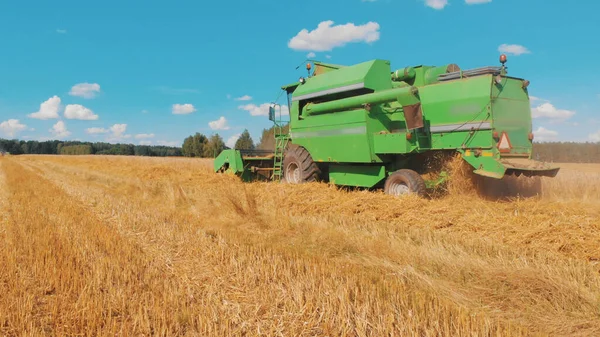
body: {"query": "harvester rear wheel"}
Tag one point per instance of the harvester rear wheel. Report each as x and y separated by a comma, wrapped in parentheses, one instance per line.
(299, 167)
(405, 182)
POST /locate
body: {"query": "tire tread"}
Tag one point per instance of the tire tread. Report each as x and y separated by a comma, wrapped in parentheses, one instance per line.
(310, 170)
(416, 182)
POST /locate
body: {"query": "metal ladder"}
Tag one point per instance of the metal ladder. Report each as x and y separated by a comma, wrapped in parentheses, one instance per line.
(281, 141)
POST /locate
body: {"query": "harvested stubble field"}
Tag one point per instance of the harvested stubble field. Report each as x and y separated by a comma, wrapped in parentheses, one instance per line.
(146, 246)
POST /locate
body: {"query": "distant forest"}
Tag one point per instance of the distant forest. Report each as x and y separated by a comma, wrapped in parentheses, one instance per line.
(199, 145)
(567, 152)
(16, 147)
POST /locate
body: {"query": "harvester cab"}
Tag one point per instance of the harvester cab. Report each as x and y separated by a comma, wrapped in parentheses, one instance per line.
(366, 125)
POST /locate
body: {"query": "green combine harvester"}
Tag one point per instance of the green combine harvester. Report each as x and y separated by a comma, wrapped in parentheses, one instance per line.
(369, 126)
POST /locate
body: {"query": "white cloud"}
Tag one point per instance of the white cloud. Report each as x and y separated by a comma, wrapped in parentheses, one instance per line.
(219, 124)
(549, 111)
(231, 140)
(595, 137)
(118, 130)
(514, 49)
(60, 130)
(61, 31)
(326, 37)
(145, 142)
(182, 109)
(144, 111)
(11, 127)
(328, 56)
(95, 131)
(85, 90)
(48, 109)
(77, 111)
(436, 4)
(475, 2)
(244, 98)
(263, 109)
(543, 134)
(310, 55)
(117, 133)
(144, 135)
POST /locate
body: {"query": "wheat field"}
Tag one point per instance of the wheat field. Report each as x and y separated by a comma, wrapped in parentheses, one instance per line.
(102, 245)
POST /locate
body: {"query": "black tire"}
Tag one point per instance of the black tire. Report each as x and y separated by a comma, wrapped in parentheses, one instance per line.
(299, 167)
(405, 182)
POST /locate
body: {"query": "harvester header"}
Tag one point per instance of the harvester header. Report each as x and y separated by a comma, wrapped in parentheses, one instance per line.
(369, 125)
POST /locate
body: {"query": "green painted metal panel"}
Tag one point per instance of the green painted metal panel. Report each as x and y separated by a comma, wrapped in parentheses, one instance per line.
(486, 166)
(380, 122)
(373, 74)
(431, 74)
(230, 160)
(511, 112)
(457, 102)
(384, 96)
(391, 143)
(338, 119)
(356, 175)
(339, 137)
(344, 136)
(458, 140)
(349, 143)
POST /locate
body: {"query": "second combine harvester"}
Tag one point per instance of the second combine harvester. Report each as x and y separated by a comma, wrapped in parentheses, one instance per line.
(368, 126)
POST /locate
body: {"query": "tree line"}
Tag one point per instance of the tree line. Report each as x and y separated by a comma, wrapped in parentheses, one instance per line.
(567, 152)
(16, 147)
(199, 145)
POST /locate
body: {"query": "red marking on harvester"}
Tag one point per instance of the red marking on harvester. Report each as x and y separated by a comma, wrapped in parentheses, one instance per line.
(504, 144)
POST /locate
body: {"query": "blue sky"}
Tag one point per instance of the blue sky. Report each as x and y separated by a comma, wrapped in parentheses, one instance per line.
(154, 72)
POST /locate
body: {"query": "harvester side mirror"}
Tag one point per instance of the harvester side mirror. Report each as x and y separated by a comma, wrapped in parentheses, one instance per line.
(271, 113)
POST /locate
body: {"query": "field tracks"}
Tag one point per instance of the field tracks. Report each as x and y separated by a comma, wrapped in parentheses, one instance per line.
(220, 272)
(64, 258)
(170, 248)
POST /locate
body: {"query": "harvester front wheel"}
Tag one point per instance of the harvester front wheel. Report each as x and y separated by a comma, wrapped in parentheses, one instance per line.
(405, 182)
(299, 167)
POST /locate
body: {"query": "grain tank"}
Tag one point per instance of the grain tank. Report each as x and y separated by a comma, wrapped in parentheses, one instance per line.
(368, 125)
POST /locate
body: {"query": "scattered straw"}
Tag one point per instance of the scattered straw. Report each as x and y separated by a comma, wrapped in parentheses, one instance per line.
(164, 246)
